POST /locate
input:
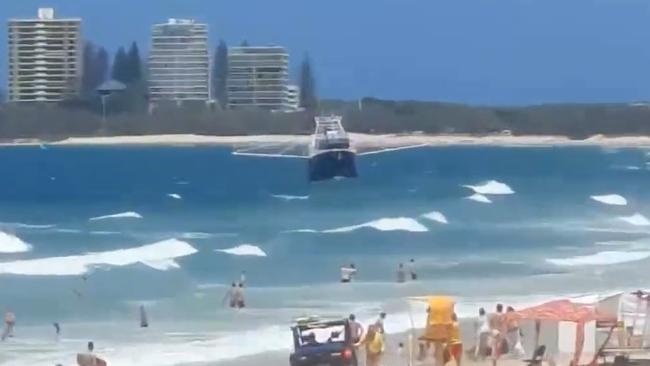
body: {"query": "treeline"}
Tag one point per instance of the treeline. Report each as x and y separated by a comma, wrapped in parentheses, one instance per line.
(576, 121)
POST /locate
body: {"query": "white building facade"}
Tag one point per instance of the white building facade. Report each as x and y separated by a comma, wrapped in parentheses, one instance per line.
(258, 77)
(44, 58)
(179, 61)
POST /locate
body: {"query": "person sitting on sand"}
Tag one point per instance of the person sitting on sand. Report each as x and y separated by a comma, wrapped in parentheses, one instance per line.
(374, 342)
(455, 345)
(10, 323)
(401, 274)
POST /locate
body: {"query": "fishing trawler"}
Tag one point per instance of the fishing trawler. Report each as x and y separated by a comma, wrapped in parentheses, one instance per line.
(330, 154)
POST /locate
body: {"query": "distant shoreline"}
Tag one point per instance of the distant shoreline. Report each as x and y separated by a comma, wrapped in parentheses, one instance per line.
(359, 140)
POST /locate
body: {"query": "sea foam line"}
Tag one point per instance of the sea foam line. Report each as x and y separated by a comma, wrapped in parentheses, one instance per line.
(288, 197)
(600, 258)
(385, 224)
(159, 255)
(491, 187)
(244, 250)
(12, 244)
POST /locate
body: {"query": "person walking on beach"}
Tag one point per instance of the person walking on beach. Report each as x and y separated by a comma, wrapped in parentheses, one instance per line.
(347, 273)
(482, 329)
(513, 335)
(455, 345)
(356, 329)
(414, 275)
(401, 274)
(10, 323)
(374, 342)
(497, 330)
(379, 324)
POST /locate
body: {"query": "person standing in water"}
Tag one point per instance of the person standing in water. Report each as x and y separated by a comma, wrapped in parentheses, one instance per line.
(231, 296)
(401, 274)
(144, 322)
(10, 323)
(414, 275)
(240, 301)
(347, 273)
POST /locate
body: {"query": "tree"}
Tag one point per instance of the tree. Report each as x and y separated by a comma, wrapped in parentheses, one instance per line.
(134, 64)
(120, 66)
(308, 99)
(95, 67)
(101, 65)
(220, 74)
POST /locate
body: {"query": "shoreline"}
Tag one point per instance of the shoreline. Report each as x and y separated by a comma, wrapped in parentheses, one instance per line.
(359, 141)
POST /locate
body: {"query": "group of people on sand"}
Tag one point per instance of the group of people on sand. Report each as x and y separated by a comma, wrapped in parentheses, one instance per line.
(497, 335)
(372, 340)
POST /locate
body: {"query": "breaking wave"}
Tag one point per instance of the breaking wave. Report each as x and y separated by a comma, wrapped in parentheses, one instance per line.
(611, 199)
(479, 198)
(288, 197)
(175, 196)
(385, 224)
(491, 187)
(121, 215)
(637, 220)
(436, 216)
(244, 249)
(159, 255)
(12, 244)
(600, 259)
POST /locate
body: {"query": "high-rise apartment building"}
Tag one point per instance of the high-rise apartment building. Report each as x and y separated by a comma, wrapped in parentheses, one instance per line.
(258, 77)
(44, 58)
(179, 61)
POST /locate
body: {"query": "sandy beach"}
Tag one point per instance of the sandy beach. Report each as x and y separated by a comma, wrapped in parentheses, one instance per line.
(360, 141)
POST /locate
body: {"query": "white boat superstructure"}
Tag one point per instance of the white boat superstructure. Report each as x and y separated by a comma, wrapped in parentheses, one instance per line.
(329, 135)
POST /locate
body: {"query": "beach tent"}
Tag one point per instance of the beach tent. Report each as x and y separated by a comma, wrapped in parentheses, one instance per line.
(632, 312)
(567, 329)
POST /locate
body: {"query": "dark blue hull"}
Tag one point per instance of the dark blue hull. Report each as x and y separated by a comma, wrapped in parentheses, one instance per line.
(331, 164)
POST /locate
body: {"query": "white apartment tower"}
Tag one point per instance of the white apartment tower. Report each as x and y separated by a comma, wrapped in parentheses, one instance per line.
(44, 58)
(179, 61)
(258, 77)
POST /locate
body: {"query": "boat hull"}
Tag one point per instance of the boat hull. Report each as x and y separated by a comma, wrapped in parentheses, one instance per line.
(331, 164)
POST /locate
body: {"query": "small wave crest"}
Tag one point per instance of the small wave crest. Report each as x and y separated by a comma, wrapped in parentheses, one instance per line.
(637, 220)
(436, 216)
(159, 255)
(175, 196)
(600, 259)
(12, 244)
(491, 187)
(610, 199)
(479, 198)
(20, 225)
(288, 197)
(121, 215)
(244, 249)
(385, 224)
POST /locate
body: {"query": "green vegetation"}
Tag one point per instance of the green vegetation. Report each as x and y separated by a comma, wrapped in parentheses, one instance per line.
(220, 74)
(368, 116)
(308, 98)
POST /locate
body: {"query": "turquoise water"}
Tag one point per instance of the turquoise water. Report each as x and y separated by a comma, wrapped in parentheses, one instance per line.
(540, 236)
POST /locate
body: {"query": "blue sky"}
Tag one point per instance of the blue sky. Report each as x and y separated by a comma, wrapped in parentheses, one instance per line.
(475, 51)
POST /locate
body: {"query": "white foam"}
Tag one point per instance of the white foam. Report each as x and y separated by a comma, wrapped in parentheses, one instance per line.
(611, 199)
(196, 235)
(20, 225)
(121, 215)
(479, 198)
(385, 224)
(100, 232)
(288, 197)
(600, 259)
(637, 220)
(175, 196)
(302, 231)
(159, 255)
(436, 216)
(12, 244)
(244, 249)
(491, 187)
(68, 231)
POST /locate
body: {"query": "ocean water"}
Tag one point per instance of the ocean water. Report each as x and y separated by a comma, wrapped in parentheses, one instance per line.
(87, 235)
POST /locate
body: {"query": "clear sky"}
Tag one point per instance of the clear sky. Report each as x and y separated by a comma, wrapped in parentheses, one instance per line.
(476, 51)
